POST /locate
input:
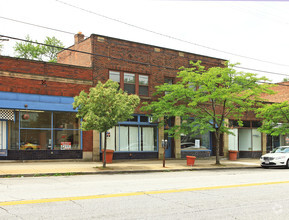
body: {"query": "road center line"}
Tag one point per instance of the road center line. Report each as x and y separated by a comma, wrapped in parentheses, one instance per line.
(25, 202)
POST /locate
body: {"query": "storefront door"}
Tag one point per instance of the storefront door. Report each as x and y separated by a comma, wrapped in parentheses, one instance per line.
(169, 146)
(3, 138)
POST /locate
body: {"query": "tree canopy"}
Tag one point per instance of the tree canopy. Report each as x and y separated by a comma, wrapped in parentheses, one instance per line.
(204, 98)
(104, 106)
(275, 118)
(33, 51)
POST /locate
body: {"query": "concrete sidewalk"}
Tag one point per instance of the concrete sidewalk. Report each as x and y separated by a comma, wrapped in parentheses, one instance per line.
(70, 167)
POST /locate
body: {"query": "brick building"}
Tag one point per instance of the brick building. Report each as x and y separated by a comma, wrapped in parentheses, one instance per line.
(138, 68)
(37, 120)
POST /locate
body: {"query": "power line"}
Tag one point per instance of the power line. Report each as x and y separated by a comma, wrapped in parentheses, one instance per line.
(131, 61)
(168, 36)
(281, 74)
(71, 33)
(35, 25)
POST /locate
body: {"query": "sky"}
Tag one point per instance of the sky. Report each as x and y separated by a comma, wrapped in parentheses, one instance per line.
(252, 33)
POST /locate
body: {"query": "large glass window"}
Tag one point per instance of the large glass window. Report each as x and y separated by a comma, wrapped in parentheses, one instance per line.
(246, 138)
(66, 140)
(38, 131)
(32, 139)
(66, 120)
(37, 119)
(195, 142)
(129, 83)
(139, 135)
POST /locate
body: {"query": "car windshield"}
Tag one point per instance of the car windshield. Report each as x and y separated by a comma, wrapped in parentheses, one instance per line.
(281, 150)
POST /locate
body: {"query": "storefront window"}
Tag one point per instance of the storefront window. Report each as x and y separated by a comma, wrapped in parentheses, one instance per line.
(140, 135)
(65, 120)
(39, 119)
(66, 140)
(39, 132)
(195, 142)
(31, 139)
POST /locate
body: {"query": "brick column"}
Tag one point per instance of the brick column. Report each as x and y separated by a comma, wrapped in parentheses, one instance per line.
(264, 143)
(226, 141)
(161, 137)
(96, 146)
(177, 149)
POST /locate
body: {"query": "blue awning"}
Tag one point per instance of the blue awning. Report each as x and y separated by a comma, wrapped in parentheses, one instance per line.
(11, 100)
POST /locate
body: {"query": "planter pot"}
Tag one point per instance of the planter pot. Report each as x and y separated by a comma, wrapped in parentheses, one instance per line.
(233, 154)
(191, 160)
(109, 155)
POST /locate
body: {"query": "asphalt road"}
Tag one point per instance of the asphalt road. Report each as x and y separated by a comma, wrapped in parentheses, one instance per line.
(223, 194)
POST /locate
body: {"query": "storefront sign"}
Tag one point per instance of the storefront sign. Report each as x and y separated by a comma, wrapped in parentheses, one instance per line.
(65, 146)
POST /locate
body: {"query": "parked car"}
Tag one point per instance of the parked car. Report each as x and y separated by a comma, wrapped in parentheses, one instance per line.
(29, 146)
(279, 157)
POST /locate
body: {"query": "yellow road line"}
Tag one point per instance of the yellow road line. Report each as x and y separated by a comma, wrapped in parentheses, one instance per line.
(24, 202)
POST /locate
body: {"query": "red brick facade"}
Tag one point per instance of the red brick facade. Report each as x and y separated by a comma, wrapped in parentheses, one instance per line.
(35, 77)
(119, 55)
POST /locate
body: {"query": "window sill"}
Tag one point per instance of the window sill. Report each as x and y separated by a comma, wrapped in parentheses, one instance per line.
(145, 97)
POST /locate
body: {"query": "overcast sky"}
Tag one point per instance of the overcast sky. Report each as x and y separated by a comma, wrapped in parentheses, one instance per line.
(252, 29)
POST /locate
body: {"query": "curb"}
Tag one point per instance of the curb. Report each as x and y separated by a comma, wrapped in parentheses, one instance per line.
(120, 172)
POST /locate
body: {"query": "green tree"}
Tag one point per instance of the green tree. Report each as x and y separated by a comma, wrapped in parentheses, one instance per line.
(103, 107)
(33, 51)
(210, 96)
(275, 118)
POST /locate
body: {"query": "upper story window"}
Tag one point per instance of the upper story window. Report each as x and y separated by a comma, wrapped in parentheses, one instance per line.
(143, 85)
(169, 81)
(131, 83)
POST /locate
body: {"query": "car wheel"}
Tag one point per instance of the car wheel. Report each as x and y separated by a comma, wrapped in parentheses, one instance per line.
(287, 164)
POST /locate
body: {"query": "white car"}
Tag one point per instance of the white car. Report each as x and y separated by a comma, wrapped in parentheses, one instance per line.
(279, 157)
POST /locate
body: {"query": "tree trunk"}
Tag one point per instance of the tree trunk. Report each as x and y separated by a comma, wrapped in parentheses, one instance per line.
(217, 136)
(104, 151)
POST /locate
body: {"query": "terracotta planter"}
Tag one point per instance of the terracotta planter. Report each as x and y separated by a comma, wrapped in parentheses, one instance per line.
(233, 154)
(109, 155)
(191, 160)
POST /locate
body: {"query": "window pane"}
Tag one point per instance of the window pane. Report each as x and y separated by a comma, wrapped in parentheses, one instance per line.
(195, 142)
(13, 135)
(114, 76)
(31, 139)
(123, 139)
(129, 78)
(129, 88)
(133, 138)
(144, 118)
(66, 140)
(35, 119)
(233, 139)
(256, 124)
(144, 90)
(149, 139)
(257, 141)
(246, 124)
(143, 80)
(169, 80)
(65, 120)
(134, 119)
(245, 140)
